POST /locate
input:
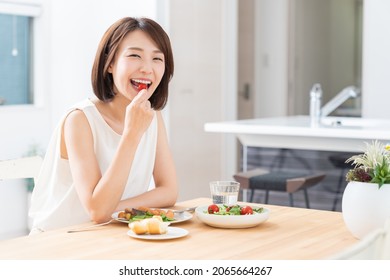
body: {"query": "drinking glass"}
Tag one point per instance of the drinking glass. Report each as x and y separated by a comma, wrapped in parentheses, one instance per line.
(224, 192)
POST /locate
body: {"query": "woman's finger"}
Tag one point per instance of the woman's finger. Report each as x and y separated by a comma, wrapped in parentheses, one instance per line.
(143, 95)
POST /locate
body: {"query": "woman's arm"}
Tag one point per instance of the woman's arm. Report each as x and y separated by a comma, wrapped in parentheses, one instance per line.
(166, 191)
(101, 193)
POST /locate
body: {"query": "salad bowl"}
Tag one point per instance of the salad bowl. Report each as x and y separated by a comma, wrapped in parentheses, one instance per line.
(231, 221)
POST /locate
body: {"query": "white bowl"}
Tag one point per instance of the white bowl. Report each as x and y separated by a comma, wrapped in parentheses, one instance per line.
(231, 221)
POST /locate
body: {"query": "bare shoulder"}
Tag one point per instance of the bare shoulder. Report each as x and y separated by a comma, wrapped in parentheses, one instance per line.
(162, 131)
(76, 124)
(160, 117)
(75, 129)
(76, 119)
(160, 120)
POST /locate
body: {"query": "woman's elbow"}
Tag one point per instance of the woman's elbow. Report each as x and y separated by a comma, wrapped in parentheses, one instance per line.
(172, 199)
(99, 216)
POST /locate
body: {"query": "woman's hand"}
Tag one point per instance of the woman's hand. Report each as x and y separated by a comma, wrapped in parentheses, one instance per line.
(139, 115)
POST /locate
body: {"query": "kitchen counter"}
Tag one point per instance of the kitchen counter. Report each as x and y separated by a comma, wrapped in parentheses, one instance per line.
(344, 134)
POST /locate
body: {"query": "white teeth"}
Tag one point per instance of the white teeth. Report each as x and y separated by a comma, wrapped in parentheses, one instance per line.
(142, 81)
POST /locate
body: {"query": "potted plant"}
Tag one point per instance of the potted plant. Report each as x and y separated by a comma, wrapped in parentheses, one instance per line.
(366, 199)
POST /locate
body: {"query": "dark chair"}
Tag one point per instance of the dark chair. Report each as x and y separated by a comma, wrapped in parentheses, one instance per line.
(282, 181)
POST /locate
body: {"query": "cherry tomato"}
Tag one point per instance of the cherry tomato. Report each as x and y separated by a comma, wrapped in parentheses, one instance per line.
(213, 208)
(246, 210)
(142, 86)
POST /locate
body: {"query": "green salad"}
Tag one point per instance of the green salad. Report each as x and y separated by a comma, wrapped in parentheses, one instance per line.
(232, 210)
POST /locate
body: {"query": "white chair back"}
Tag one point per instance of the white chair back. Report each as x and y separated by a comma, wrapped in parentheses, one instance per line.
(386, 242)
(27, 167)
(20, 168)
(374, 246)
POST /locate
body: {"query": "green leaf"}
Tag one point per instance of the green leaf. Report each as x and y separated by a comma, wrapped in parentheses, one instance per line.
(235, 210)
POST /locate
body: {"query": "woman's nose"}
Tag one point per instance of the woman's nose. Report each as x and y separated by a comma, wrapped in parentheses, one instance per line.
(146, 67)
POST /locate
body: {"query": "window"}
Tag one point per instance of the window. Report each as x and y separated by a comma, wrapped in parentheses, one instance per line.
(15, 60)
(16, 33)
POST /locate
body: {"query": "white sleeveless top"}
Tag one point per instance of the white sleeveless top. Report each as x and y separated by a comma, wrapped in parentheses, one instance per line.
(54, 201)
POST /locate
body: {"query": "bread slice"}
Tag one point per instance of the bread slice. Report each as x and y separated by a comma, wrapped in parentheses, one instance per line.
(139, 227)
(154, 225)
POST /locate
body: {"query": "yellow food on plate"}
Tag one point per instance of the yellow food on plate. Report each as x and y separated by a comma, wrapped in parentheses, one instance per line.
(124, 215)
(154, 225)
(134, 213)
(139, 227)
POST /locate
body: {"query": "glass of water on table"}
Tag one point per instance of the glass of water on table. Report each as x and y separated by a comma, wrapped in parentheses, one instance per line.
(224, 192)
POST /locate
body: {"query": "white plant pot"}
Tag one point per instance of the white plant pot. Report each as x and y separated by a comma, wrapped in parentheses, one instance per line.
(365, 207)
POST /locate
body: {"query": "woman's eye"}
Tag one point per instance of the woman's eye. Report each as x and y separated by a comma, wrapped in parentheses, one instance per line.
(159, 58)
(134, 55)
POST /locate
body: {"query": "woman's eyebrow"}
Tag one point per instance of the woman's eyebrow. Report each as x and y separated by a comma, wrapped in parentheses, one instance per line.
(141, 49)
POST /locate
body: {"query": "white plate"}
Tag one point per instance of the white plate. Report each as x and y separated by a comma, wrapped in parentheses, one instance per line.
(181, 217)
(172, 233)
(231, 221)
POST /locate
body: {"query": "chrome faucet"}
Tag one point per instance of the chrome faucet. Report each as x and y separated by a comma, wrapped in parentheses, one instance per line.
(340, 98)
(315, 104)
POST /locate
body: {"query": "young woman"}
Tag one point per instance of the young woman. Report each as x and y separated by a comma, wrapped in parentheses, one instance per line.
(107, 150)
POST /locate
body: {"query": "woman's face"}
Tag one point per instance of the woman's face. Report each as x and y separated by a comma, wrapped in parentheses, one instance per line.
(137, 61)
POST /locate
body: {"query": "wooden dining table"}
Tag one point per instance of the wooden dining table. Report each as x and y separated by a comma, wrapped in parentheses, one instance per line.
(288, 234)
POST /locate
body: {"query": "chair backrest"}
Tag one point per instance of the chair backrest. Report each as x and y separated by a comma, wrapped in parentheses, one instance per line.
(27, 167)
(386, 241)
(374, 246)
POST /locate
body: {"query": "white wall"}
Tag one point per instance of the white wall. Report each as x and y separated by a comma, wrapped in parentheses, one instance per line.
(204, 84)
(271, 67)
(376, 59)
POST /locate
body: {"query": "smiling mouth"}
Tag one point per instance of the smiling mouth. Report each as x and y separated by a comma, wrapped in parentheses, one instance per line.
(140, 84)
